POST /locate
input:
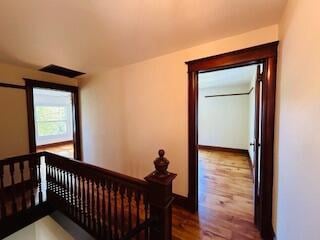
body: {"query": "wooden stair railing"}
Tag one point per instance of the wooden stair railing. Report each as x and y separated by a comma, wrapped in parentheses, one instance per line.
(21, 197)
(106, 204)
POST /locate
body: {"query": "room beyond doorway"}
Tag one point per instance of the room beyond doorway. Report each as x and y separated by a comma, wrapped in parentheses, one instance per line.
(226, 108)
(226, 137)
(53, 121)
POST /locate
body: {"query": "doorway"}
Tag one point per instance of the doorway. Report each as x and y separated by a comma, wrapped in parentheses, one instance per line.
(226, 143)
(264, 56)
(53, 121)
(53, 118)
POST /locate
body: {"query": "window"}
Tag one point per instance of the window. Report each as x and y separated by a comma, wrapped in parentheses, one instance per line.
(51, 120)
(53, 116)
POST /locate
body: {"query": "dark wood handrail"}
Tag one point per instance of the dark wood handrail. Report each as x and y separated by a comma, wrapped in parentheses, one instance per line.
(98, 170)
(109, 205)
(16, 159)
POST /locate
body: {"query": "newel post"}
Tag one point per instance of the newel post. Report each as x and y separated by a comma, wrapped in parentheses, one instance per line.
(161, 198)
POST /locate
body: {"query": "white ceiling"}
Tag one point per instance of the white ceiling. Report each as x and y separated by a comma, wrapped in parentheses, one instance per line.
(227, 78)
(89, 35)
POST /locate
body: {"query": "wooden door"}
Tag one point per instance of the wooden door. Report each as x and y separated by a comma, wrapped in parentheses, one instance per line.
(257, 146)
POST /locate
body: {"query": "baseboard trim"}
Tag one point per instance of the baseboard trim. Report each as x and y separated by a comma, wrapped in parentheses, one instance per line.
(181, 201)
(224, 149)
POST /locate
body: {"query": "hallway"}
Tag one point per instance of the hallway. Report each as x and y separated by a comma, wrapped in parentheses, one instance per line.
(225, 200)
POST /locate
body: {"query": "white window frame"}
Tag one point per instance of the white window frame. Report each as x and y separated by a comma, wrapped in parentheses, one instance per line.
(54, 101)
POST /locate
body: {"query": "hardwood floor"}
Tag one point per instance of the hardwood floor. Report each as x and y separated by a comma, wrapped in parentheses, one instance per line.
(225, 201)
(65, 149)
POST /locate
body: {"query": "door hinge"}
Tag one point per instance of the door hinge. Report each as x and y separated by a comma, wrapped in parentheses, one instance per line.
(260, 77)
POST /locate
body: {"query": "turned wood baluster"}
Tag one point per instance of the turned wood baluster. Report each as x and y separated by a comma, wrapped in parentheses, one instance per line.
(51, 181)
(64, 189)
(58, 181)
(39, 180)
(14, 203)
(75, 200)
(98, 207)
(79, 199)
(68, 192)
(58, 189)
(129, 196)
(122, 191)
(51, 178)
(137, 198)
(146, 209)
(61, 190)
(88, 204)
(71, 194)
(54, 179)
(115, 192)
(83, 201)
(104, 226)
(47, 176)
(109, 210)
(75, 196)
(24, 204)
(3, 207)
(93, 211)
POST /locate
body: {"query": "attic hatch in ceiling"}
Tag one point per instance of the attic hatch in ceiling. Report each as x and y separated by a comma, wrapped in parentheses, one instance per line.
(61, 71)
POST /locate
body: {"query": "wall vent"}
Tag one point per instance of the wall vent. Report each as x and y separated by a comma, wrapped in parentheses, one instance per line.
(61, 71)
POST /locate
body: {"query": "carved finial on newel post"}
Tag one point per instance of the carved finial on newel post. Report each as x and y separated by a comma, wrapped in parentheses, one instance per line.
(160, 196)
(161, 164)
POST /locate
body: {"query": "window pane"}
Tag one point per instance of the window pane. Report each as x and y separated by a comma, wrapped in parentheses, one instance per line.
(51, 128)
(51, 113)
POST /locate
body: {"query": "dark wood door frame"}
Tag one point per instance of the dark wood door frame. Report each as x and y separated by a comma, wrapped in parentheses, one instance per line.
(267, 55)
(30, 85)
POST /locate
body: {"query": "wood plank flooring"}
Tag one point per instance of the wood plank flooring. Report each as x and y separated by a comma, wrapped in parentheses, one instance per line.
(225, 201)
(65, 149)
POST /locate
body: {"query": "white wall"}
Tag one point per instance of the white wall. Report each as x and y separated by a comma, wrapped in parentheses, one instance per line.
(297, 162)
(224, 121)
(130, 112)
(13, 120)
